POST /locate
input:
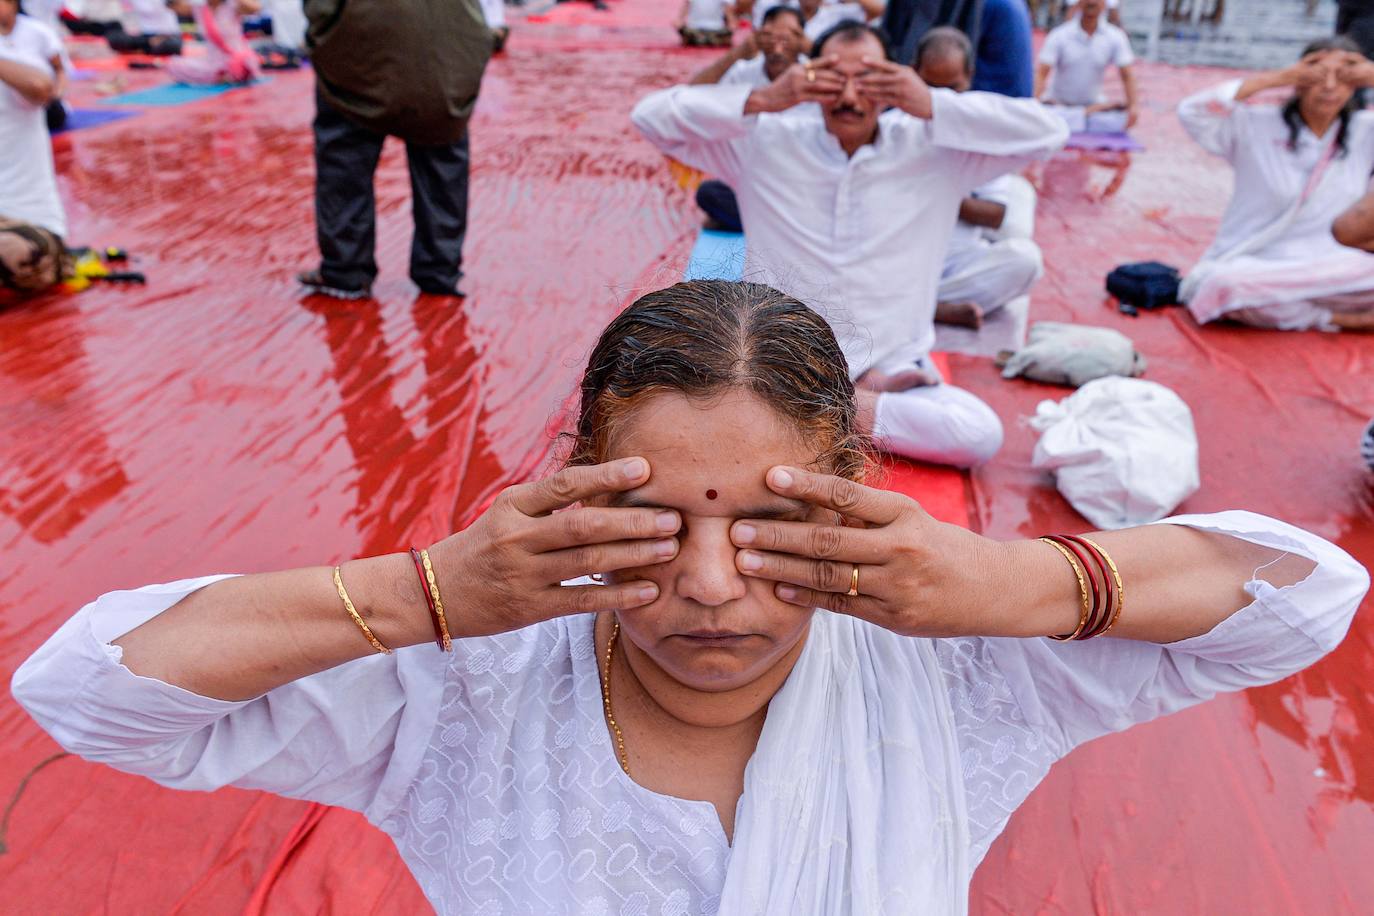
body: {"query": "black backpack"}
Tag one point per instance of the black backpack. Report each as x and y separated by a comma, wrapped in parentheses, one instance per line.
(1144, 285)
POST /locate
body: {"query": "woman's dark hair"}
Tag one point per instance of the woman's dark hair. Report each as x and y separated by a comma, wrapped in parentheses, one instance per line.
(705, 337)
(853, 30)
(1292, 110)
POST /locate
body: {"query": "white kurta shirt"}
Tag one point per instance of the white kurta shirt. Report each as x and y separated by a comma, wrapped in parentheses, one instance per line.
(861, 239)
(28, 183)
(1080, 60)
(1274, 250)
(493, 770)
(1270, 177)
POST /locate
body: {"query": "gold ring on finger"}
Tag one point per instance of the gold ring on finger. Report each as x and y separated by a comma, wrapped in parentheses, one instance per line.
(854, 582)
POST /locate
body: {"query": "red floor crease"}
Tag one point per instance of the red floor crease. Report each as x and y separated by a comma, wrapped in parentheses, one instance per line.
(216, 421)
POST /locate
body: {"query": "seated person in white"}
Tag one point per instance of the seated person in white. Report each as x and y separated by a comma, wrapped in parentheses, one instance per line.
(991, 258)
(1298, 166)
(706, 23)
(824, 15)
(32, 220)
(778, 43)
(755, 62)
(1074, 61)
(830, 215)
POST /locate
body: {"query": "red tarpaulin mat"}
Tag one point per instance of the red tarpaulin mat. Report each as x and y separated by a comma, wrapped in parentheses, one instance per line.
(215, 421)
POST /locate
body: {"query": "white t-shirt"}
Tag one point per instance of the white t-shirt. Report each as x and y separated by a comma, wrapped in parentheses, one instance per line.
(1080, 60)
(832, 14)
(28, 184)
(706, 15)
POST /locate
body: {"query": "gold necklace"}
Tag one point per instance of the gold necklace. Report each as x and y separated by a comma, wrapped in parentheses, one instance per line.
(606, 700)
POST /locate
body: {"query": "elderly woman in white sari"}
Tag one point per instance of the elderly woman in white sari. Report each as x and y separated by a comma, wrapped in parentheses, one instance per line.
(1274, 263)
(703, 667)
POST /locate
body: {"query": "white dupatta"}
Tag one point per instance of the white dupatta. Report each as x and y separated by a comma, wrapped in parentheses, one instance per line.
(1205, 268)
(854, 799)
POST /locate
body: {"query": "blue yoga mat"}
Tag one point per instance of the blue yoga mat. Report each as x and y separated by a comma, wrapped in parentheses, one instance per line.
(716, 256)
(78, 118)
(172, 94)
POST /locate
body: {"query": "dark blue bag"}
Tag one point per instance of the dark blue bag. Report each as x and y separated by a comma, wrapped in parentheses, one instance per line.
(1144, 285)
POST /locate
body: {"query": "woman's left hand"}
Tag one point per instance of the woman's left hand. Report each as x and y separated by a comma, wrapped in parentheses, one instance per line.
(916, 576)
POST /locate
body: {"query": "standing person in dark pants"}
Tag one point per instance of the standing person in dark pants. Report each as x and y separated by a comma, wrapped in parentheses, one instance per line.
(403, 68)
(1355, 18)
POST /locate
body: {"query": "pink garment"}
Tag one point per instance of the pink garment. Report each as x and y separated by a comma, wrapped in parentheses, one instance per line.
(228, 57)
(1286, 294)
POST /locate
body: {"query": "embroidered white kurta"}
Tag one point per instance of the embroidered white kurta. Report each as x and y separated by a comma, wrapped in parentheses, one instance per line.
(1267, 261)
(861, 239)
(493, 770)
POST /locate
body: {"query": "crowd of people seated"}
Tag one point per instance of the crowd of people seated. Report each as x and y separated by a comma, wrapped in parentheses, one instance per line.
(870, 153)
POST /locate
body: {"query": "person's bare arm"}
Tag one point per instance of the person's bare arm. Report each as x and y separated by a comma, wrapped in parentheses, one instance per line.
(872, 8)
(35, 86)
(928, 578)
(1300, 74)
(1128, 87)
(238, 638)
(1355, 227)
(986, 213)
(1042, 79)
(59, 87)
(712, 73)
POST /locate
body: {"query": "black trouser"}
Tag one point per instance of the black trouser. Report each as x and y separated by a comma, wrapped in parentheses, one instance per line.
(345, 209)
(718, 201)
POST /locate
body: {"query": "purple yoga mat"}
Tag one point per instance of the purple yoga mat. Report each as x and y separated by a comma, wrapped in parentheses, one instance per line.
(1116, 141)
(78, 118)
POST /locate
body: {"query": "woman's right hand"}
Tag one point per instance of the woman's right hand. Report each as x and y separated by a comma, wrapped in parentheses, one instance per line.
(1309, 71)
(503, 572)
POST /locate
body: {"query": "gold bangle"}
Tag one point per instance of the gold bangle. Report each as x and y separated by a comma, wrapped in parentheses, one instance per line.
(357, 618)
(1082, 590)
(1120, 589)
(438, 602)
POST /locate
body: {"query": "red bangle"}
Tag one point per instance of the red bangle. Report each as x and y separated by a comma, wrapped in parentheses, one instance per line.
(1112, 603)
(429, 598)
(1094, 614)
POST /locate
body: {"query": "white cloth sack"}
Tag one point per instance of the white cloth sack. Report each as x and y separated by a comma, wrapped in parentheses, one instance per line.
(1123, 450)
(1071, 354)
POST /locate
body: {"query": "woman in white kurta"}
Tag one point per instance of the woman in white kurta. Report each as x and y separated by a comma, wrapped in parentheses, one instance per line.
(694, 735)
(1297, 166)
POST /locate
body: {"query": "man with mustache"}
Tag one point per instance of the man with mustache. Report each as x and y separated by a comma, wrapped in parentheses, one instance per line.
(755, 62)
(849, 204)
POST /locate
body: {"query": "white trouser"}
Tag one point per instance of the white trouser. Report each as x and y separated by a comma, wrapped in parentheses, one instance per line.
(993, 275)
(288, 23)
(152, 17)
(941, 424)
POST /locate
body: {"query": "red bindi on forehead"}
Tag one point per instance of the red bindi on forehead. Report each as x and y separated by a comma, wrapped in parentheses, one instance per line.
(711, 494)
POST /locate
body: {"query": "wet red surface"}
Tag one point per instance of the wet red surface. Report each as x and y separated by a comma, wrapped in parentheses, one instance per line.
(215, 421)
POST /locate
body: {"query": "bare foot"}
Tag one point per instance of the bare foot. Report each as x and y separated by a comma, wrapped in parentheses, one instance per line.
(1354, 321)
(902, 380)
(964, 314)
